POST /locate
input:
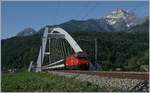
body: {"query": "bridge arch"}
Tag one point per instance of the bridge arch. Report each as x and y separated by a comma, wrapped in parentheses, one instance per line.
(51, 33)
(68, 37)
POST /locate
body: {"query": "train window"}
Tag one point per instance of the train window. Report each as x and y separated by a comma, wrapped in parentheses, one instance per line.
(83, 57)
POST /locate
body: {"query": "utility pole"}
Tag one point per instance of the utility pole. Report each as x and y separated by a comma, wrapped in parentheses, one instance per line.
(49, 50)
(30, 66)
(95, 50)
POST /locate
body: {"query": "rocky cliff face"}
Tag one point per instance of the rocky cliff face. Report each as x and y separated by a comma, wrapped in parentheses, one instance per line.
(122, 19)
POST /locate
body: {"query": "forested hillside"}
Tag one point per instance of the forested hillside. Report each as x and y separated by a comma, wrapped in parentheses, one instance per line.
(17, 52)
(127, 51)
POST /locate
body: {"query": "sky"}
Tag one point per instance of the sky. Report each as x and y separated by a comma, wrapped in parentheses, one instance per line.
(18, 15)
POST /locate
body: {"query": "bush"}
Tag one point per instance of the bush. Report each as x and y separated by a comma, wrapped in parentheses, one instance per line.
(25, 81)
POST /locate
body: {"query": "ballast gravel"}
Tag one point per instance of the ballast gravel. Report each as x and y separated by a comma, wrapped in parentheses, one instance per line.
(107, 82)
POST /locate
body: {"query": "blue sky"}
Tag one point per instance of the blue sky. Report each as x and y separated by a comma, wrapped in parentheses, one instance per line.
(17, 15)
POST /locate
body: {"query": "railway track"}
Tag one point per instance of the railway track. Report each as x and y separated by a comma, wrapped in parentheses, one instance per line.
(113, 74)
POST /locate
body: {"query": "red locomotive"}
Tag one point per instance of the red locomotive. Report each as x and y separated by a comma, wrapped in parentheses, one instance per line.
(78, 59)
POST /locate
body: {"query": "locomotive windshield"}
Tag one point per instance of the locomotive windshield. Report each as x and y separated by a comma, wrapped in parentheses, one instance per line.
(83, 57)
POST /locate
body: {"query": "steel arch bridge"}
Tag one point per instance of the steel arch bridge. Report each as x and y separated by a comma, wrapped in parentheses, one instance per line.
(49, 34)
(48, 48)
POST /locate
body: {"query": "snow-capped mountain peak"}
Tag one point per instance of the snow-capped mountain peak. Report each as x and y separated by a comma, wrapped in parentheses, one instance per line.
(120, 13)
(121, 17)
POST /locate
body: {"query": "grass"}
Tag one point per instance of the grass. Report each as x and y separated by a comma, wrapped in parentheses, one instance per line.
(44, 82)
